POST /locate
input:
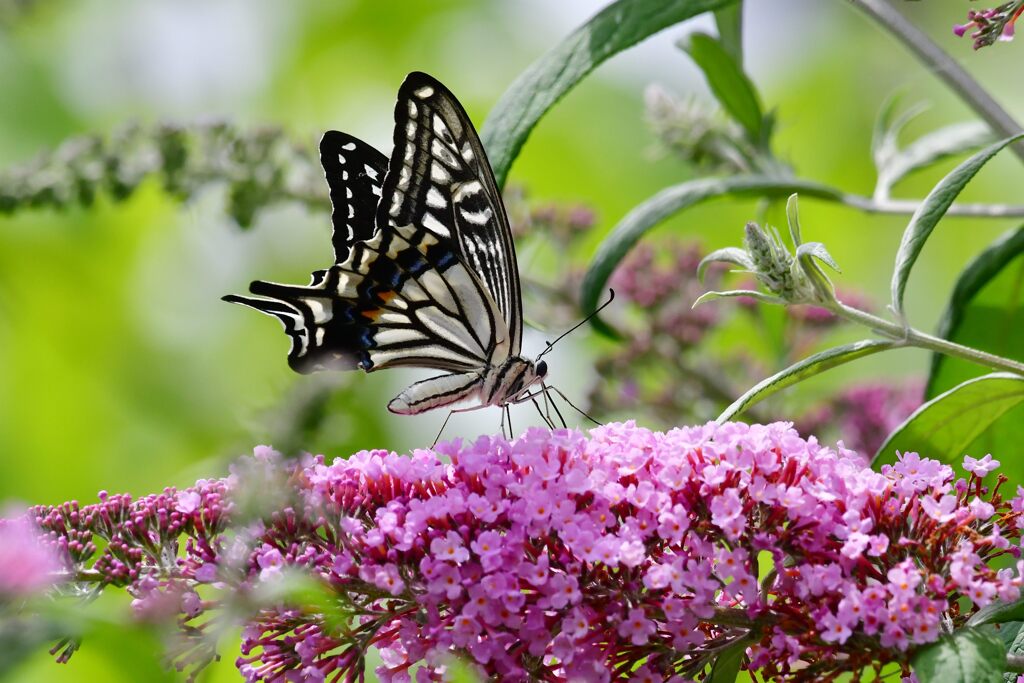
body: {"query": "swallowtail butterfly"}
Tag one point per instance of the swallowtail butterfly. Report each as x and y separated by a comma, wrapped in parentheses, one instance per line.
(425, 269)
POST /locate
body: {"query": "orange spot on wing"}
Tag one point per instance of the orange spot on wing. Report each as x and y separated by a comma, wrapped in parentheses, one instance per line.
(371, 315)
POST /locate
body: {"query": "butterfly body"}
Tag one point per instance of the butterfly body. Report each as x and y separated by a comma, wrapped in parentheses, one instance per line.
(425, 272)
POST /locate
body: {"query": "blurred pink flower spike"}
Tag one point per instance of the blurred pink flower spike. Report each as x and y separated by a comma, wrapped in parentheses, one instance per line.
(29, 564)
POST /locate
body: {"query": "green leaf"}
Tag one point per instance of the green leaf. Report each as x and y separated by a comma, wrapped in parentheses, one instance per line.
(726, 666)
(943, 427)
(968, 656)
(1009, 632)
(749, 293)
(727, 81)
(808, 367)
(933, 147)
(1013, 637)
(619, 26)
(932, 209)
(729, 22)
(671, 200)
(985, 311)
(888, 126)
(733, 255)
(998, 613)
(793, 219)
(817, 250)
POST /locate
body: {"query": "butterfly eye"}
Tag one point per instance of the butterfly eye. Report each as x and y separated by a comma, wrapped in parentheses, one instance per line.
(542, 368)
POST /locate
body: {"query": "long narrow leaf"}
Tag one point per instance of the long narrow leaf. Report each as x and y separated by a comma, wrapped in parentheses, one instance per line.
(932, 209)
(975, 277)
(944, 426)
(998, 612)
(731, 87)
(933, 147)
(669, 201)
(726, 666)
(885, 140)
(729, 22)
(808, 367)
(618, 26)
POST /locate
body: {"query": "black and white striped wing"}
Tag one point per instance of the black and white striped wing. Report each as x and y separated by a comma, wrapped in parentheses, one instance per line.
(439, 178)
(355, 172)
(424, 271)
(401, 298)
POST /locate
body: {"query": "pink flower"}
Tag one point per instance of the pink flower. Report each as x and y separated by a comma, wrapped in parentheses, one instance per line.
(270, 562)
(188, 502)
(449, 548)
(487, 545)
(980, 467)
(636, 627)
(941, 510)
(834, 631)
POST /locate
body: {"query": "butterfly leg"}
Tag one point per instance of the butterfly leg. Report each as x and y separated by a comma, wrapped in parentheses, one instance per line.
(545, 414)
(549, 403)
(547, 420)
(508, 414)
(553, 404)
(441, 430)
(571, 404)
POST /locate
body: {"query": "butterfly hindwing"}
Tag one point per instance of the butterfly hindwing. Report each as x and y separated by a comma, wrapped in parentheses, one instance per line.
(401, 298)
(355, 172)
(439, 178)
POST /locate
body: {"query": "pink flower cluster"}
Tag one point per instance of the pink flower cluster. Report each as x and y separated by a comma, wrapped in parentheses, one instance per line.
(990, 25)
(623, 555)
(664, 285)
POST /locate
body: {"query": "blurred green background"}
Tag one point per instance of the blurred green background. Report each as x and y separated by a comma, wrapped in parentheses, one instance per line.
(121, 369)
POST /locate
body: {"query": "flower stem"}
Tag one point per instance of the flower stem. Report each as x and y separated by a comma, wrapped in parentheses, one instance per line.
(912, 337)
(945, 67)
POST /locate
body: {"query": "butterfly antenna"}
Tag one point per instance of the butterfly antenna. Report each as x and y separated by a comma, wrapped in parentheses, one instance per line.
(441, 430)
(611, 298)
(573, 405)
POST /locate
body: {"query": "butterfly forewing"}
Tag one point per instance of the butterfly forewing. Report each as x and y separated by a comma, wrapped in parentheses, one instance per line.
(355, 172)
(401, 298)
(439, 178)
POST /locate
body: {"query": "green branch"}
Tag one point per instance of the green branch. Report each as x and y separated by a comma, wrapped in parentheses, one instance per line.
(258, 167)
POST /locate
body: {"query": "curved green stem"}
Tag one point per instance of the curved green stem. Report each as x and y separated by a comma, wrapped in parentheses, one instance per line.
(908, 336)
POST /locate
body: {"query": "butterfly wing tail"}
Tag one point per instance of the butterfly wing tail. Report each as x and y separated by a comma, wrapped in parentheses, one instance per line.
(325, 333)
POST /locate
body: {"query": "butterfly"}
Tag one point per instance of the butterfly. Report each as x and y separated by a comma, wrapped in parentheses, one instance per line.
(425, 270)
